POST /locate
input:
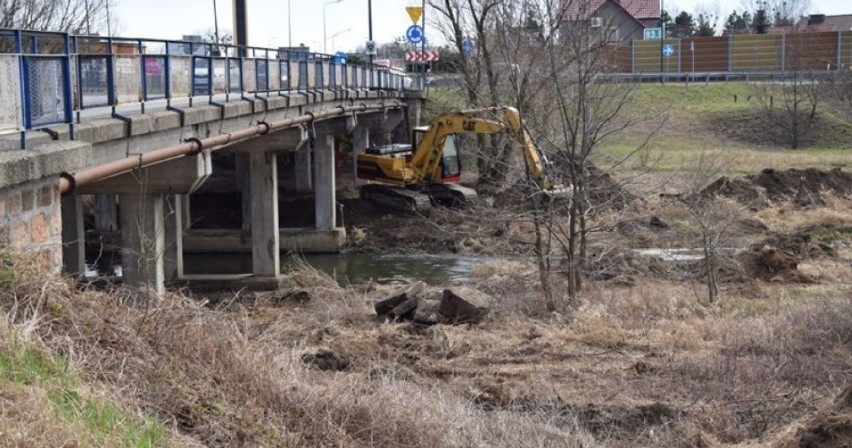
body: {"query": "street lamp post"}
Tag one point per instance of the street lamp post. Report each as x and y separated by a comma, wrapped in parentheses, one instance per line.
(289, 27)
(324, 39)
(338, 34)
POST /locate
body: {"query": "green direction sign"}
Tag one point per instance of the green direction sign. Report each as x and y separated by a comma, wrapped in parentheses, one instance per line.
(653, 33)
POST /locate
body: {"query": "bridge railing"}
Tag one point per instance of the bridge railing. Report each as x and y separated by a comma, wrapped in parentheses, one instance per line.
(48, 77)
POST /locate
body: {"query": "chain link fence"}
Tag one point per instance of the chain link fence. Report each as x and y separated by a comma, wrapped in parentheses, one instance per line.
(93, 80)
(45, 90)
(10, 95)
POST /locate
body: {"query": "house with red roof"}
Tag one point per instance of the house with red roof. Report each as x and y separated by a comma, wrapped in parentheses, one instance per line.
(611, 20)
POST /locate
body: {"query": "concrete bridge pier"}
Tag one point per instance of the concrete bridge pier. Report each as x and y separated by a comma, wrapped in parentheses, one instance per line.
(303, 171)
(106, 213)
(175, 208)
(148, 243)
(325, 202)
(73, 236)
(265, 244)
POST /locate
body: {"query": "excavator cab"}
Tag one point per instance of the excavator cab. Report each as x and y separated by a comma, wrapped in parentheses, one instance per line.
(450, 159)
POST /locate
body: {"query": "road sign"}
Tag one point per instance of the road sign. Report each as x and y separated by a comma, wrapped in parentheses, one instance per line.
(414, 12)
(414, 34)
(421, 56)
(652, 34)
(467, 47)
(668, 50)
(340, 58)
(371, 48)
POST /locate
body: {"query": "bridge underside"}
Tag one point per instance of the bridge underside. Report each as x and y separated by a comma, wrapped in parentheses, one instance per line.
(225, 201)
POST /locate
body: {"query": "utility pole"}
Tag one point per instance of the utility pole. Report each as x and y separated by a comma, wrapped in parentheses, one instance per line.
(370, 26)
(662, 40)
(216, 26)
(241, 26)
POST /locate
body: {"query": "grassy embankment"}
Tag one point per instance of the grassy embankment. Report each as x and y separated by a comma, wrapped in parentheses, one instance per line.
(642, 364)
(721, 121)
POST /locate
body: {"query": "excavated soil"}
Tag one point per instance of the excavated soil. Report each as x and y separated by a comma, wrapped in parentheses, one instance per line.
(804, 187)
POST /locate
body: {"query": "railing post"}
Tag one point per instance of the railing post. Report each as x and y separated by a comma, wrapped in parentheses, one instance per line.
(67, 86)
(839, 49)
(22, 80)
(730, 54)
(633, 56)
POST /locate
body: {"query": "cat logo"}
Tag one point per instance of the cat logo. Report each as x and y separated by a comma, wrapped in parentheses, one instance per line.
(468, 125)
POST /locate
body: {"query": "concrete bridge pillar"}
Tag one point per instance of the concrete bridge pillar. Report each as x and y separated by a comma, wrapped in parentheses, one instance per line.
(303, 173)
(106, 215)
(149, 241)
(173, 214)
(360, 143)
(265, 256)
(73, 236)
(325, 203)
(143, 241)
(242, 163)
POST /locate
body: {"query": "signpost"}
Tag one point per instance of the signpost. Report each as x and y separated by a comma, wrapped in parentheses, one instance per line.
(421, 56)
(652, 34)
(414, 34)
(414, 12)
(467, 47)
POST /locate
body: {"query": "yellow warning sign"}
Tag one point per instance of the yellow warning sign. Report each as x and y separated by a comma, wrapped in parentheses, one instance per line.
(414, 12)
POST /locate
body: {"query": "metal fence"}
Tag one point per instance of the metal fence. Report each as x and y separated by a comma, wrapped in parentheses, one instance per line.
(46, 77)
(753, 53)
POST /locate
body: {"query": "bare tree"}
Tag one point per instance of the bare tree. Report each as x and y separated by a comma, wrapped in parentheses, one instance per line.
(482, 74)
(779, 12)
(553, 60)
(798, 95)
(70, 16)
(712, 214)
(839, 91)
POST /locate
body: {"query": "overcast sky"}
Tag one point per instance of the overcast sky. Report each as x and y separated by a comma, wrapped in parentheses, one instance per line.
(346, 21)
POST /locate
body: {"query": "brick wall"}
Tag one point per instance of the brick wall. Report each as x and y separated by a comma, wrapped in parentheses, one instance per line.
(31, 221)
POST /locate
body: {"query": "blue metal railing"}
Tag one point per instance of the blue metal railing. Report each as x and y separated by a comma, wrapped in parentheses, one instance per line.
(61, 74)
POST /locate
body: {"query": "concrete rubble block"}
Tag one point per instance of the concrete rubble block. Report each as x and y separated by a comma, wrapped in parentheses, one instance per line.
(465, 305)
(405, 310)
(387, 304)
(428, 308)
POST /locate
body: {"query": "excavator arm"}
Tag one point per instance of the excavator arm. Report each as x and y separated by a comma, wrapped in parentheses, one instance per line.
(426, 160)
(409, 178)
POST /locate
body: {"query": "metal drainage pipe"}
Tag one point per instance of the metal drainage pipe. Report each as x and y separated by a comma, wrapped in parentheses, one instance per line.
(69, 181)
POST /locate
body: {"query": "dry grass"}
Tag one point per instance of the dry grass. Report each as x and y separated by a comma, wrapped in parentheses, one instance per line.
(647, 365)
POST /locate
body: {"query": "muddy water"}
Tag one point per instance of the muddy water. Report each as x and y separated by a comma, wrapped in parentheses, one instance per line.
(355, 267)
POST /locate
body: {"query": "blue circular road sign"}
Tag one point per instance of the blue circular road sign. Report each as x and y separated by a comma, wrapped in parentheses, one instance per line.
(467, 47)
(668, 50)
(414, 34)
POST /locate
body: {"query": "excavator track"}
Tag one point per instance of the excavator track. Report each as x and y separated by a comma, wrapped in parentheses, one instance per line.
(396, 198)
(452, 195)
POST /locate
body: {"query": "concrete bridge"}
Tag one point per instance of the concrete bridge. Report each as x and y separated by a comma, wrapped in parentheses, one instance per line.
(131, 126)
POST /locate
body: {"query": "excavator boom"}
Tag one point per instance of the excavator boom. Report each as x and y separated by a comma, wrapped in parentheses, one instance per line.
(432, 166)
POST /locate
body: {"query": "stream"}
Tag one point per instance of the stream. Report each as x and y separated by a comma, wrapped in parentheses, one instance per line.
(355, 267)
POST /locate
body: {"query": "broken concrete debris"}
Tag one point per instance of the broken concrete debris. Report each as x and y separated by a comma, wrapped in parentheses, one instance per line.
(456, 305)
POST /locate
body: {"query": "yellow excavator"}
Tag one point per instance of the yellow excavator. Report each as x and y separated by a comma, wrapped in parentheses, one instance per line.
(414, 176)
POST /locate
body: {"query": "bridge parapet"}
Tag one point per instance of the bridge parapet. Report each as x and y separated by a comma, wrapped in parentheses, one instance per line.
(55, 78)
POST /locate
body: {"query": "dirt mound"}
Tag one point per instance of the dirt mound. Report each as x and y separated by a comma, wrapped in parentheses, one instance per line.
(800, 186)
(829, 428)
(603, 192)
(771, 263)
(740, 189)
(803, 186)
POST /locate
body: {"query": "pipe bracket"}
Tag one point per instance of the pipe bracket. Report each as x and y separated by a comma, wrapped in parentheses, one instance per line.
(72, 183)
(198, 143)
